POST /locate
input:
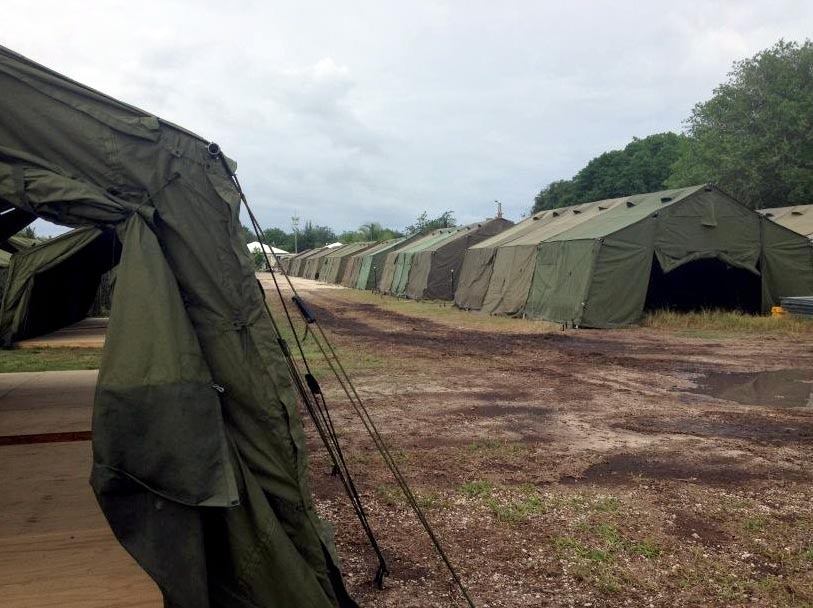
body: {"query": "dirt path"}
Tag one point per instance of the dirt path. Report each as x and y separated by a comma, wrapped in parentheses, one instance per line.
(577, 468)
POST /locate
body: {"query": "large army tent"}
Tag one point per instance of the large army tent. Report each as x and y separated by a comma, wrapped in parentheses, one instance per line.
(335, 263)
(798, 218)
(54, 283)
(393, 270)
(314, 263)
(287, 262)
(475, 272)
(602, 264)
(297, 265)
(433, 269)
(363, 267)
(199, 458)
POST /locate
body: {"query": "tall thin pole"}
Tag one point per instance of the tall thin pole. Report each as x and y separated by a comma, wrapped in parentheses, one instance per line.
(295, 226)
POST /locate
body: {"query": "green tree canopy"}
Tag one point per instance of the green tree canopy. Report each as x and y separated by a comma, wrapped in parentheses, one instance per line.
(642, 166)
(423, 224)
(754, 137)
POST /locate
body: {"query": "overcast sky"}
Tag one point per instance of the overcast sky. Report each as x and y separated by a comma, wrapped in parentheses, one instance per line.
(350, 112)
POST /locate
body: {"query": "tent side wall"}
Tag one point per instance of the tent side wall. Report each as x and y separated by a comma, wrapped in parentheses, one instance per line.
(511, 278)
(786, 262)
(619, 279)
(388, 272)
(475, 275)
(446, 264)
(560, 280)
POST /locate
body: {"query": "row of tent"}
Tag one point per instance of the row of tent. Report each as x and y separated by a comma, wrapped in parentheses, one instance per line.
(596, 264)
(418, 267)
(599, 264)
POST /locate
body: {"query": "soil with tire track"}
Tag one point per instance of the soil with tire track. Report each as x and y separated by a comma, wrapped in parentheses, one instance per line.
(566, 468)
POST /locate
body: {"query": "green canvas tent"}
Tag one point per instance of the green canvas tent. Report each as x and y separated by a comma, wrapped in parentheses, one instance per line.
(798, 218)
(298, 265)
(288, 262)
(475, 272)
(335, 263)
(360, 271)
(602, 264)
(53, 284)
(434, 268)
(199, 459)
(313, 265)
(392, 274)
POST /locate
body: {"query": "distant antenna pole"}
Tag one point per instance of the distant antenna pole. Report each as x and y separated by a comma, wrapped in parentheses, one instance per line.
(295, 226)
(499, 209)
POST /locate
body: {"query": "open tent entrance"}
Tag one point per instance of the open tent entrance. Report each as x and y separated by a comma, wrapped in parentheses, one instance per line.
(58, 283)
(706, 284)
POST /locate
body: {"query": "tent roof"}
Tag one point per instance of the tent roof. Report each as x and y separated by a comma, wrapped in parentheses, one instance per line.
(590, 220)
(349, 249)
(256, 246)
(458, 233)
(798, 218)
(380, 247)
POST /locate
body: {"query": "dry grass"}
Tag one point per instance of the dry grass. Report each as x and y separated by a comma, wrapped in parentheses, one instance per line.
(728, 322)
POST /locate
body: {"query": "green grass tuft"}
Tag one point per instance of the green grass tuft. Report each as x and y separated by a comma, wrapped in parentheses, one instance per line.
(49, 359)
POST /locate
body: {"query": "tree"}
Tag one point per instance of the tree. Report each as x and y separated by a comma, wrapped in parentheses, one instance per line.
(642, 166)
(315, 236)
(424, 225)
(754, 137)
(27, 232)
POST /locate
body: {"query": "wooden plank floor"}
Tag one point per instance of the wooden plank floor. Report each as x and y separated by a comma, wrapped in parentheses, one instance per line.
(56, 548)
(87, 333)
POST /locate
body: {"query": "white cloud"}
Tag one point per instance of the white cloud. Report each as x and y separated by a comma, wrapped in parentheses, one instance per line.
(380, 110)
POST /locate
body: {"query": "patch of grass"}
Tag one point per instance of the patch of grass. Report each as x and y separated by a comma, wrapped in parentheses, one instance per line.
(495, 447)
(389, 495)
(753, 524)
(516, 511)
(49, 359)
(645, 548)
(567, 544)
(808, 554)
(478, 489)
(607, 504)
(705, 323)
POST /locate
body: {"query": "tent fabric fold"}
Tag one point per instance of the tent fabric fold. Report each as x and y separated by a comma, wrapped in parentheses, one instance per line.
(212, 499)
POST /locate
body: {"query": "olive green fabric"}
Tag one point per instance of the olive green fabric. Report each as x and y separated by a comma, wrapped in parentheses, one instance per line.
(53, 284)
(798, 218)
(288, 261)
(298, 264)
(313, 263)
(436, 267)
(199, 454)
(336, 263)
(590, 264)
(398, 263)
(371, 264)
(350, 276)
(478, 262)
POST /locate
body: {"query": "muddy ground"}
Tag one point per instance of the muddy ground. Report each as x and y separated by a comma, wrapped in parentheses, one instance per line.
(634, 467)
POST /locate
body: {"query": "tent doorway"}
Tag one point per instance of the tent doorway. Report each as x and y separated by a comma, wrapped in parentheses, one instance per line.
(703, 284)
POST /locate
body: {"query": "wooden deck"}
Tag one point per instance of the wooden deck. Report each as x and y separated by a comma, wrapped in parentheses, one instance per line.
(56, 549)
(88, 333)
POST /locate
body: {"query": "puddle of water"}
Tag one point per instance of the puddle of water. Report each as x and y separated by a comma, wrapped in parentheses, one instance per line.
(780, 388)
